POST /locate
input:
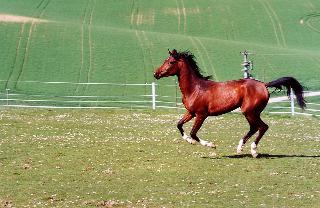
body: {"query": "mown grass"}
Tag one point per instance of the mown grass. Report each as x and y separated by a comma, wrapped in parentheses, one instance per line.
(95, 158)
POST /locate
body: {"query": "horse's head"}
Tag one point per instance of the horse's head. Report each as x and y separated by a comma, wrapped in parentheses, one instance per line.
(169, 66)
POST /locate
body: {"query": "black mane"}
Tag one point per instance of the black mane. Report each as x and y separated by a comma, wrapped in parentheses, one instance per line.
(190, 58)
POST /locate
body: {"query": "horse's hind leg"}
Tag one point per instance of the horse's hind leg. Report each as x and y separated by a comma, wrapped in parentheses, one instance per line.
(263, 127)
(253, 129)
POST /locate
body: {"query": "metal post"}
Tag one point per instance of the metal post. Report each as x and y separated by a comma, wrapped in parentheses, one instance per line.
(247, 65)
(153, 90)
(292, 101)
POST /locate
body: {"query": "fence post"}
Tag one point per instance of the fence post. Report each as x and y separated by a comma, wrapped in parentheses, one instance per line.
(7, 96)
(292, 101)
(153, 90)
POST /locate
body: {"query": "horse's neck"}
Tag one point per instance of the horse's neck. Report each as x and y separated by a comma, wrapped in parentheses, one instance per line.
(188, 81)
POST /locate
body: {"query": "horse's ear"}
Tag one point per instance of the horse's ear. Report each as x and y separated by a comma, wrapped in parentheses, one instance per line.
(174, 52)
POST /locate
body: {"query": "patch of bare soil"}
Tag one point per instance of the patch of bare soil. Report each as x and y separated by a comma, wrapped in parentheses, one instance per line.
(19, 19)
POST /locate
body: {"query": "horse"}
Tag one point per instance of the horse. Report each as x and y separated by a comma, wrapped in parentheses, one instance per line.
(203, 97)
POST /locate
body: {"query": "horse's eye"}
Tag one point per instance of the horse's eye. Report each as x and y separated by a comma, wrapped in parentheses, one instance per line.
(172, 62)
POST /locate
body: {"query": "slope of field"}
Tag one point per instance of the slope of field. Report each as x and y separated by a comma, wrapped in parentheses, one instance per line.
(97, 41)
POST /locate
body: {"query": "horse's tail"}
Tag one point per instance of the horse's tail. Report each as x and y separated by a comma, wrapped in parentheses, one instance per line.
(290, 83)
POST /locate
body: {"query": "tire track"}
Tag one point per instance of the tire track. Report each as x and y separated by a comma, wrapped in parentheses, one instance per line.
(271, 68)
(83, 19)
(193, 42)
(132, 12)
(184, 16)
(208, 57)
(146, 47)
(272, 11)
(39, 5)
(308, 22)
(179, 16)
(134, 24)
(272, 22)
(144, 55)
(308, 19)
(181, 11)
(31, 30)
(151, 65)
(23, 45)
(86, 49)
(311, 6)
(144, 59)
(90, 45)
(18, 45)
(143, 41)
(25, 56)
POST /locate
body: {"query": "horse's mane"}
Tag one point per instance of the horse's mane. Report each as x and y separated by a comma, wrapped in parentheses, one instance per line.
(190, 58)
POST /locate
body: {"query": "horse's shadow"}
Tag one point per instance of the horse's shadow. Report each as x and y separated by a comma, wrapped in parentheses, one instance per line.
(272, 156)
(266, 156)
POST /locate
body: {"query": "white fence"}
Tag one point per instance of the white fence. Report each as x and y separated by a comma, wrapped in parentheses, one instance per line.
(150, 95)
(280, 105)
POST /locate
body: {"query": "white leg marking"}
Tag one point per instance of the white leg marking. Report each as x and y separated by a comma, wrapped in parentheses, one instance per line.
(188, 139)
(206, 143)
(254, 150)
(240, 146)
(185, 137)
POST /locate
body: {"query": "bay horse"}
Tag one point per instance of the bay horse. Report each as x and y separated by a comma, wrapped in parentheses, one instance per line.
(203, 97)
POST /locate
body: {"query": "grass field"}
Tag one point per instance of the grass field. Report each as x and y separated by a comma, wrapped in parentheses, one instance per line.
(52, 51)
(60, 158)
(98, 41)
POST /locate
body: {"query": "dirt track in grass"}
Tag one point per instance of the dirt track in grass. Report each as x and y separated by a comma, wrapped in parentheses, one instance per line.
(19, 19)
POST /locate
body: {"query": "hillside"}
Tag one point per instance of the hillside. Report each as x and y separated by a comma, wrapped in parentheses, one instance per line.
(98, 41)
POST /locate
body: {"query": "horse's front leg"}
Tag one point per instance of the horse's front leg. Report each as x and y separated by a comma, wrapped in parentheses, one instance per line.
(197, 125)
(186, 117)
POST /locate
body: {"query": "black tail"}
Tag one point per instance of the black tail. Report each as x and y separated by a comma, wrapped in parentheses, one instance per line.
(290, 83)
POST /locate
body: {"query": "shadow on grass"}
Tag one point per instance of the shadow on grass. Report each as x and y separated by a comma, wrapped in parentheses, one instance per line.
(271, 156)
(266, 156)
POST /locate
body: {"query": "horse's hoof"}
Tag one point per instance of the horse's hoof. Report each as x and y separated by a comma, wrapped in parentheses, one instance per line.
(211, 145)
(255, 155)
(254, 150)
(193, 142)
(239, 151)
(212, 154)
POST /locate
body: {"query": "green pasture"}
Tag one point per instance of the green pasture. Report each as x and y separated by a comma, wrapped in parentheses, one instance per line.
(95, 158)
(98, 41)
(126, 158)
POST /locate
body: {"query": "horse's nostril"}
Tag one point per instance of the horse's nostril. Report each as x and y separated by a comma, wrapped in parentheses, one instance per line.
(156, 75)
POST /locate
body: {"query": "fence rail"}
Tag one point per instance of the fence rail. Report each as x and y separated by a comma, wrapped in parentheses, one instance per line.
(150, 97)
(153, 96)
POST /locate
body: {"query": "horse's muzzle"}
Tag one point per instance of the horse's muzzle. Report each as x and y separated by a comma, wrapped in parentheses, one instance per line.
(156, 75)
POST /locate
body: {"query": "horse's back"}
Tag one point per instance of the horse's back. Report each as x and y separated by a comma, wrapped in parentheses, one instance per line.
(224, 97)
(248, 94)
